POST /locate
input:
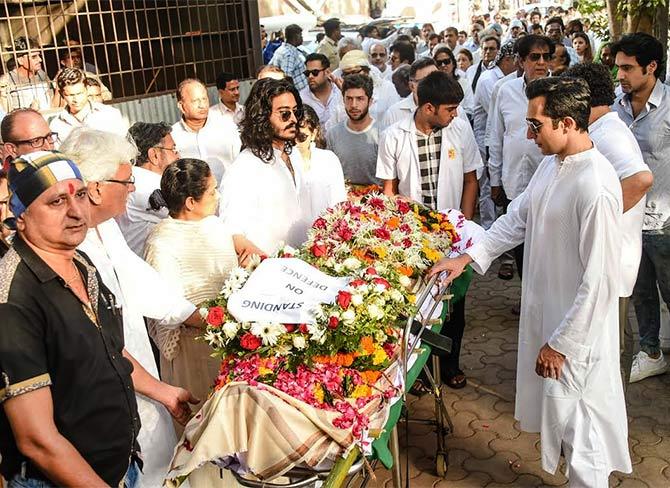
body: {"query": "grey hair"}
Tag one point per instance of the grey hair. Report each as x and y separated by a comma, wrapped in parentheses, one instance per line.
(348, 41)
(377, 43)
(98, 154)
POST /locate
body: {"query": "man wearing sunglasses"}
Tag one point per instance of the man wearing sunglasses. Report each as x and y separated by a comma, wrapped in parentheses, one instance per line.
(379, 59)
(570, 216)
(321, 93)
(512, 157)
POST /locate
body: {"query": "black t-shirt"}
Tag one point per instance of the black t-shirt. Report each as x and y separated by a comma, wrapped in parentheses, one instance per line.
(48, 338)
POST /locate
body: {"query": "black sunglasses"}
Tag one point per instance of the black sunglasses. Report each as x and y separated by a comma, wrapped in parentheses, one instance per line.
(312, 72)
(535, 57)
(443, 62)
(285, 115)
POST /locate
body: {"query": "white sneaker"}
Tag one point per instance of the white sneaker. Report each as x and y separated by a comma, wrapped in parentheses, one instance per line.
(645, 366)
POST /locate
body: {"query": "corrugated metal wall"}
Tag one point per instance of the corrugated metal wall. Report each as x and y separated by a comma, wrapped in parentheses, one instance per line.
(163, 108)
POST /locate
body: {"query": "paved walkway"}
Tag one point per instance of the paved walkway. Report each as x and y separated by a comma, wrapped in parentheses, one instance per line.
(487, 449)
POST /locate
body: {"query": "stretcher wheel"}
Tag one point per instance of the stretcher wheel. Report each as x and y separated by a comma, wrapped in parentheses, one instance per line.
(442, 464)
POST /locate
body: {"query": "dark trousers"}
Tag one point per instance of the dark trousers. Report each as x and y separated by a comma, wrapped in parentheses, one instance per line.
(453, 328)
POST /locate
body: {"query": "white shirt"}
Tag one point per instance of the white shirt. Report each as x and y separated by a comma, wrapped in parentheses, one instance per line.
(399, 110)
(97, 116)
(485, 85)
(234, 116)
(217, 143)
(569, 217)
(323, 111)
(468, 102)
(513, 158)
(399, 159)
(262, 201)
(140, 218)
(140, 292)
(618, 144)
(322, 184)
(494, 96)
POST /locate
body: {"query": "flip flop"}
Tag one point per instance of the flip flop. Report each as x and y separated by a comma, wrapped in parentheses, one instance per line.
(506, 271)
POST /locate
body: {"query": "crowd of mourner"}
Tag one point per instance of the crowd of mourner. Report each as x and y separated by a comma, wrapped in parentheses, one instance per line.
(551, 139)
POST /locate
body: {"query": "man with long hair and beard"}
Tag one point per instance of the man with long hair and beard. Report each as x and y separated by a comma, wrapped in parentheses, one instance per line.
(260, 196)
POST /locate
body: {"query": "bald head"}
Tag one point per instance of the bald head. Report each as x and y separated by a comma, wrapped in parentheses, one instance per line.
(24, 131)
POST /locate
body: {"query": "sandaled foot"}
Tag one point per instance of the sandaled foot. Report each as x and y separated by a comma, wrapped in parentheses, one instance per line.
(506, 271)
(456, 381)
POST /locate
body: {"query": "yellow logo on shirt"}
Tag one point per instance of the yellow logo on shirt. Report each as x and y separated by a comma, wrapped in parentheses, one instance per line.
(452, 153)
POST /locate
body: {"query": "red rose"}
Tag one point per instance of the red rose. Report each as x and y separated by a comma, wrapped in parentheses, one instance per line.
(215, 316)
(382, 233)
(403, 207)
(303, 328)
(333, 322)
(382, 281)
(319, 250)
(289, 327)
(371, 271)
(320, 223)
(357, 282)
(250, 342)
(344, 299)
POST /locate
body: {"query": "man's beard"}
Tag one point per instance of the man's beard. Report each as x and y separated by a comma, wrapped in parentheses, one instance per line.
(281, 137)
(359, 117)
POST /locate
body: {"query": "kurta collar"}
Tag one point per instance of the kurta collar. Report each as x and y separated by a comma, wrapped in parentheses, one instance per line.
(579, 157)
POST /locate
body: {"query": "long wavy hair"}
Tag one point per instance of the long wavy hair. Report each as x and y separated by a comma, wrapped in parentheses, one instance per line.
(256, 131)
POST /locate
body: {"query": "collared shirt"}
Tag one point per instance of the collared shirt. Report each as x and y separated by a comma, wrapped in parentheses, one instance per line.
(217, 143)
(483, 93)
(323, 111)
(140, 218)
(651, 128)
(96, 116)
(50, 339)
(328, 48)
(429, 148)
(17, 91)
(291, 61)
(513, 158)
(474, 74)
(234, 116)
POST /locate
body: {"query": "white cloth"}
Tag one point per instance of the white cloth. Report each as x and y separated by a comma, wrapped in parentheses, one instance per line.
(513, 158)
(217, 143)
(387, 42)
(97, 116)
(140, 292)
(262, 201)
(323, 111)
(140, 219)
(570, 219)
(193, 256)
(494, 96)
(468, 102)
(322, 185)
(405, 108)
(387, 74)
(618, 144)
(487, 81)
(234, 116)
(399, 159)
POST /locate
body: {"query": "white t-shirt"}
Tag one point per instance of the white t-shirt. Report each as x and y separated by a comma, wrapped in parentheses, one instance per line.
(618, 144)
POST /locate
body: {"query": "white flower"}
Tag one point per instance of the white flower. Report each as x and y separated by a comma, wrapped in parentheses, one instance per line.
(404, 281)
(204, 312)
(352, 263)
(396, 295)
(238, 276)
(318, 312)
(348, 316)
(230, 329)
(338, 268)
(356, 299)
(299, 342)
(283, 350)
(214, 339)
(253, 262)
(269, 332)
(379, 288)
(375, 312)
(289, 250)
(317, 332)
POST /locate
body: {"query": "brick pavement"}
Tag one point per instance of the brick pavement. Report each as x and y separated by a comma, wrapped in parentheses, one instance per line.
(487, 449)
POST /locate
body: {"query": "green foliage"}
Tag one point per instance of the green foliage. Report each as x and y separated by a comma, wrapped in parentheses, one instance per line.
(596, 12)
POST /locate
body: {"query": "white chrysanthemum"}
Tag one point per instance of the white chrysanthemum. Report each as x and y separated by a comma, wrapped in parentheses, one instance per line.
(238, 276)
(352, 263)
(318, 312)
(299, 342)
(396, 295)
(269, 332)
(348, 316)
(375, 312)
(356, 299)
(404, 281)
(317, 332)
(230, 329)
(214, 339)
(338, 268)
(379, 288)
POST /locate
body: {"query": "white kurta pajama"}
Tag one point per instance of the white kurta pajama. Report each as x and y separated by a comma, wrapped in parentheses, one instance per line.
(140, 291)
(570, 219)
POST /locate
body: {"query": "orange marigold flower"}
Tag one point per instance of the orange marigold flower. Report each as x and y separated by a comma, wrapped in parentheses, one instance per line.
(393, 223)
(367, 345)
(406, 270)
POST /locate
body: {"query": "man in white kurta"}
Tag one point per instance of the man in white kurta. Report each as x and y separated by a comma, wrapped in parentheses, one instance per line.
(568, 382)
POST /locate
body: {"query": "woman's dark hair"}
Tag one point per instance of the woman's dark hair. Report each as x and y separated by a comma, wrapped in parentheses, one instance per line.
(646, 48)
(311, 120)
(466, 52)
(256, 131)
(588, 54)
(597, 76)
(438, 88)
(564, 97)
(446, 50)
(182, 179)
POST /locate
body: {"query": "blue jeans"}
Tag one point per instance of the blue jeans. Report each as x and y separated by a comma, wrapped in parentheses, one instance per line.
(654, 275)
(131, 480)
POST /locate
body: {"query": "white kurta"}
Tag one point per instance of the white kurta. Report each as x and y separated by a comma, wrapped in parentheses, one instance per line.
(262, 200)
(140, 291)
(322, 185)
(570, 219)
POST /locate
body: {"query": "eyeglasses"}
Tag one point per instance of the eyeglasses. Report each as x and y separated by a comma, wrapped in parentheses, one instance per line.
(443, 62)
(285, 115)
(312, 72)
(378, 55)
(172, 149)
(489, 49)
(36, 142)
(129, 181)
(534, 126)
(535, 57)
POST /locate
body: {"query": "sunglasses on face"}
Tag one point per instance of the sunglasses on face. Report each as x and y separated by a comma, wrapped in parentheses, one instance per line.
(285, 115)
(534, 126)
(312, 72)
(443, 62)
(535, 57)
(378, 55)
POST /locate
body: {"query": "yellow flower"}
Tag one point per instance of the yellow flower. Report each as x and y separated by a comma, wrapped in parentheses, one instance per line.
(379, 356)
(361, 391)
(380, 251)
(411, 298)
(318, 393)
(262, 371)
(435, 227)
